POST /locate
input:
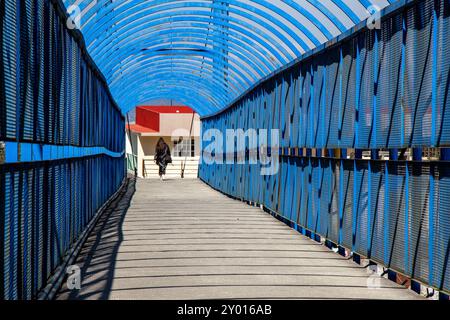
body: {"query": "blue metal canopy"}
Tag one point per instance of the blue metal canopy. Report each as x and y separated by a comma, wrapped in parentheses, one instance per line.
(204, 53)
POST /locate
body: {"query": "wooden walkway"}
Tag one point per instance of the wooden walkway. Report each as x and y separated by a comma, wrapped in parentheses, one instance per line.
(183, 240)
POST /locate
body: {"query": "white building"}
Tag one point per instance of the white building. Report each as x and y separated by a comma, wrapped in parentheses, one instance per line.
(179, 126)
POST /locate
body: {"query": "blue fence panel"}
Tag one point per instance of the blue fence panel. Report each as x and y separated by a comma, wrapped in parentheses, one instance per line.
(9, 33)
(347, 125)
(366, 77)
(418, 221)
(319, 98)
(306, 106)
(375, 89)
(378, 206)
(389, 104)
(51, 94)
(347, 201)
(333, 94)
(43, 216)
(306, 192)
(440, 258)
(362, 209)
(442, 63)
(396, 239)
(418, 74)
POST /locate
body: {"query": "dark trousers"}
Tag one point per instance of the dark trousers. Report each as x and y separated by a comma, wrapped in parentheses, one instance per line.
(162, 168)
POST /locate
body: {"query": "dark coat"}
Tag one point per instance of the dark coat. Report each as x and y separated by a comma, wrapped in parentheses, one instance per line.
(163, 157)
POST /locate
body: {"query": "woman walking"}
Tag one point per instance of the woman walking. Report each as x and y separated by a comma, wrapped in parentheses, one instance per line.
(162, 157)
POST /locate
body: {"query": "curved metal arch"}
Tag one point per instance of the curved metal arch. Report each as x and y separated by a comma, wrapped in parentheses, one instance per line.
(259, 35)
(166, 5)
(238, 87)
(167, 75)
(192, 69)
(240, 78)
(179, 45)
(198, 105)
(141, 97)
(193, 63)
(236, 45)
(258, 46)
(237, 41)
(190, 82)
(164, 10)
(267, 5)
(140, 67)
(183, 89)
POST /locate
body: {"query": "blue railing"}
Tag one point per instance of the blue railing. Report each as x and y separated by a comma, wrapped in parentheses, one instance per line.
(375, 90)
(64, 143)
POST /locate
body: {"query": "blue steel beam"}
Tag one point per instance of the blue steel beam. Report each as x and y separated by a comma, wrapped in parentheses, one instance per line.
(166, 70)
(243, 53)
(275, 45)
(130, 20)
(244, 41)
(191, 67)
(180, 50)
(192, 82)
(165, 6)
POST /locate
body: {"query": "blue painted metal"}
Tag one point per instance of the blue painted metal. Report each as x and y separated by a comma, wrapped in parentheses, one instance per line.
(402, 85)
(278, 32)
(358, 113)
(434, 71)
(387, 225)
(37, 152)
(64, 143)
(406, 234)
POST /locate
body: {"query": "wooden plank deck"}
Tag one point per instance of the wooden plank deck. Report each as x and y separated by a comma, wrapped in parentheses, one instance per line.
(180, 239)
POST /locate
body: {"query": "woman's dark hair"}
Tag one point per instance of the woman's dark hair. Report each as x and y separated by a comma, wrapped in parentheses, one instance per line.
(160, 145)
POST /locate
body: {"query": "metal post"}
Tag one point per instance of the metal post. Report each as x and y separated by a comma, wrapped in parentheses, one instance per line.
(393, 154)
(434, 58)
(341, 62)
(311, 109)
(375, 90)
(402, 84)
(358, 93)
(417, 154)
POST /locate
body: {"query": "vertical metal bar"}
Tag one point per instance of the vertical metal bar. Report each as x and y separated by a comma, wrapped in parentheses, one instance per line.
(402, 82)
(375, 89)
(434, 58)
(308, 213)
(358, 92)
(18, 66)
(323, 106)
(319, 195)
(406, 232)
(311, 108)
(369, 209)
(3, 200)
(340, 70)
(432, 212)
(341, 198)
(355, 209)
(291, 108)
(386, 214)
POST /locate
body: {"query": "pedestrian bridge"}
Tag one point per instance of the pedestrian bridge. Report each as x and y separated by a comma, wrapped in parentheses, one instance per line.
(335, 182)
(199, 244)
